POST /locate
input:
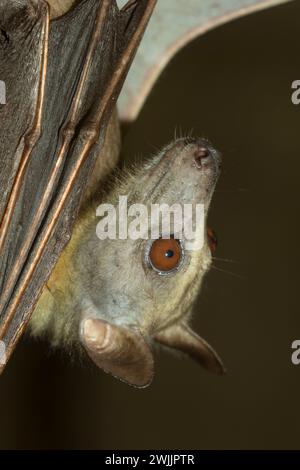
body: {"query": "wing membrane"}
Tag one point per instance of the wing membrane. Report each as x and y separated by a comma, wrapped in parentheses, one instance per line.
(86, 54)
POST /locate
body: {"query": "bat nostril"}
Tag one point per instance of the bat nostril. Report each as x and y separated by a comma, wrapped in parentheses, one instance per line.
(202, 156)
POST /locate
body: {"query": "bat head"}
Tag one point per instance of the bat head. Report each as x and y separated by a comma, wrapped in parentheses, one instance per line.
(139, 288)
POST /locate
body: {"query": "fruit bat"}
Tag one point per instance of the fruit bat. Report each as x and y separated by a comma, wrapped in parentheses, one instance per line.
(111, 300)
(114, 298)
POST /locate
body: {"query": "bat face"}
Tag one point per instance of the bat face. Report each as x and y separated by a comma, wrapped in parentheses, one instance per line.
(120, 294)
(149, 282)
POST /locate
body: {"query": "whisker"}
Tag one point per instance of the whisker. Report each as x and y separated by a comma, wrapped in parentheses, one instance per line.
(227, 260)
(228, 272)
(175, 133)
(154, 151)
(190, 132)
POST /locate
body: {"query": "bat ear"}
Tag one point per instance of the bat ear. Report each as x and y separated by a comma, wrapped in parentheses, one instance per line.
(181, 337)
(118, 351)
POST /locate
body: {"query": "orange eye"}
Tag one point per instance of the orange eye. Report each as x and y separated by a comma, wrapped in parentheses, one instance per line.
(212, 240)
(165, 254)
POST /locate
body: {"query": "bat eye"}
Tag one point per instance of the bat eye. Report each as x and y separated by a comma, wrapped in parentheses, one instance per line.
(212, 240)
(165, 255)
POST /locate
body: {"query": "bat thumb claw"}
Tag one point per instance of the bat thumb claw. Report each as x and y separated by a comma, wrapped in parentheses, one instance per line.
(118, 351)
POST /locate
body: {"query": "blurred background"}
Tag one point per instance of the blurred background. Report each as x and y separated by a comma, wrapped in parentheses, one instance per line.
(232, 85)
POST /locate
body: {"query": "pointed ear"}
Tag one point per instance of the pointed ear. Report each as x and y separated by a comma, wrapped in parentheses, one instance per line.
(181, 337)
(118, 351)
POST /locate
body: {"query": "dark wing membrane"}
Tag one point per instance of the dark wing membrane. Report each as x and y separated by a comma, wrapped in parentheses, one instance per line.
(23, 48)
(54, 126)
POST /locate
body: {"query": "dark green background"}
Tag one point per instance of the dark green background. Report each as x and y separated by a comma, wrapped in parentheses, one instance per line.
(234, 86)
